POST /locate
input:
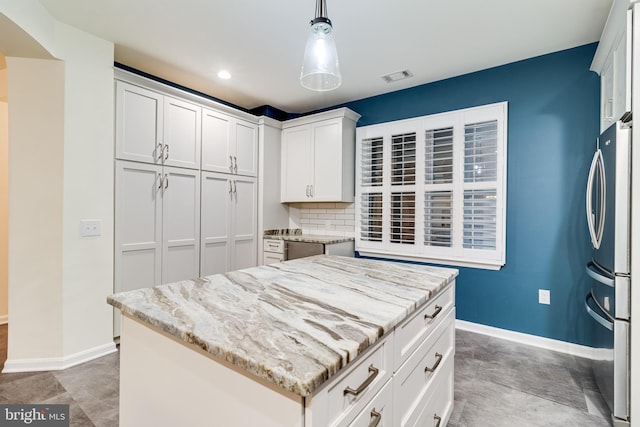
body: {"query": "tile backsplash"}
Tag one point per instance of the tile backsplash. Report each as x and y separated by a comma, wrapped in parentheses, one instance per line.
(337, 219)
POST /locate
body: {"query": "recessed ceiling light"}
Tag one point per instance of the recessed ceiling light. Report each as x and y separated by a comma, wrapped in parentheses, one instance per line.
(224, 74)
(399, 75)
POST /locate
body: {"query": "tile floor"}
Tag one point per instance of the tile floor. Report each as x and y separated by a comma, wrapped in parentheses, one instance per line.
(497, 383)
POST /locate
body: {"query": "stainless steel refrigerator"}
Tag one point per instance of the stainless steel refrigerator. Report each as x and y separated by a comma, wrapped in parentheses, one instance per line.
(608, 204)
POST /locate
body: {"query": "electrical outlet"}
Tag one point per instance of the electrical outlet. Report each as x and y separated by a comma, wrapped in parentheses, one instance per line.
(90, 227)
(544, 296)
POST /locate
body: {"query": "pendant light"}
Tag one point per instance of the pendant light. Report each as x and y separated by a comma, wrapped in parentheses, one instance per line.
(320, 70)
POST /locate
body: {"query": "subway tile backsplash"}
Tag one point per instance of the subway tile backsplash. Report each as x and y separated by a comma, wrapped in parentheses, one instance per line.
(337, 219)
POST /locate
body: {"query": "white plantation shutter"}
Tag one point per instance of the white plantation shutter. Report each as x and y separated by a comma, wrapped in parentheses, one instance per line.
(438, 218)
(371, 162)
(434, 188)
(371, 217)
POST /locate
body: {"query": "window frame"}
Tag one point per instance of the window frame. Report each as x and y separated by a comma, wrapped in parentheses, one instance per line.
(419, 251)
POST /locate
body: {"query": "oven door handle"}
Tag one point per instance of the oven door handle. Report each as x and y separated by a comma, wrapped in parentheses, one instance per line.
(607, 323)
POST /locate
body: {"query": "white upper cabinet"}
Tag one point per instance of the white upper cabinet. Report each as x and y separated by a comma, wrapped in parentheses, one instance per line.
(182, 134)
(318, 154)
(157, 129)
(612, 62)
(229, 144)
(139, 125)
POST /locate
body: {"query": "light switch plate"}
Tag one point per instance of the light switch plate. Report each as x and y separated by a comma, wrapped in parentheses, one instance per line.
(90, 227)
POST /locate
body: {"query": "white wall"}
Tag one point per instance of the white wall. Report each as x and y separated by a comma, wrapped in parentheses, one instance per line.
(88, 187)
(36, 139)
(4, 190)
(61, 171)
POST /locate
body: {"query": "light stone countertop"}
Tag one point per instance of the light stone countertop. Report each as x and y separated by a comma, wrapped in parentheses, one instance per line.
(310, 238)
(295, 323)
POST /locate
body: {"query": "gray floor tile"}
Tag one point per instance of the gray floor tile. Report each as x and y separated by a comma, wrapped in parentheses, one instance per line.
(497, 383)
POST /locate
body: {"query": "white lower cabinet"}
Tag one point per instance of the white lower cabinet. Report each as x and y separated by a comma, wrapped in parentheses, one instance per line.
(373, 390)
(157, 215)
(229, 223)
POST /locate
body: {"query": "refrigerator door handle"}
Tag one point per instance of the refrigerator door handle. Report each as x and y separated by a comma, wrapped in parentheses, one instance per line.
(597, 167)
(607, 323)
(598, 274)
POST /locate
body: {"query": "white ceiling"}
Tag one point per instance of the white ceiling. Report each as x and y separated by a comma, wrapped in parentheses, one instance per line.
(261, 42)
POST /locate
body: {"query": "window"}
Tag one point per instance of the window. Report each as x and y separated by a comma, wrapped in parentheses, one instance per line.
(433, 188)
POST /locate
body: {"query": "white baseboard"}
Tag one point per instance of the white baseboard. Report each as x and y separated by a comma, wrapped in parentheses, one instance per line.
(535, 341)
(4, 319)
(57, 363)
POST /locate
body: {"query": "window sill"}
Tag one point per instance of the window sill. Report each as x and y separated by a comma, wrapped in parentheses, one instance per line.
(482, 264)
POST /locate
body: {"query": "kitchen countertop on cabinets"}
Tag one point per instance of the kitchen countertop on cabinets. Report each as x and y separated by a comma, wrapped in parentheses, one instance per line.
(295, 324)
(310, 238)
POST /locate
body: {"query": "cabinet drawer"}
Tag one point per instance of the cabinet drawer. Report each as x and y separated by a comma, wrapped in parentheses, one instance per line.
(379, 411)
(439, 402)
(413, 332)
(274, 245)
(351, 392)
(272, 258)
(414, 381)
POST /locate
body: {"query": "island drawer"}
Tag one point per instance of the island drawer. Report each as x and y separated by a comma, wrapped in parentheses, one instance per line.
(414, 381)
(439, 404)
(410, 334)
(379, 411)
(347, 395)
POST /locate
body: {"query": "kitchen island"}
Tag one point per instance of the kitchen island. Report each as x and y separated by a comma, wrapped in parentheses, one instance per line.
(316, 341)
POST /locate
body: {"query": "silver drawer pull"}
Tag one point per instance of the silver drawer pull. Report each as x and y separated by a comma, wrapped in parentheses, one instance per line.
(435, 313)
(435, 365)
(437, 419)
(373, 374)
(375, 418)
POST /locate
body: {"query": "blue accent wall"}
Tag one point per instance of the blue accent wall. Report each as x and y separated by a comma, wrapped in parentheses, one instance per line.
(553, 125)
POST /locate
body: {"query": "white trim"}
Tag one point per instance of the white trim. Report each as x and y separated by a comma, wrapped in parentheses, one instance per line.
(4, 319)
(535, 341)
(58, 363)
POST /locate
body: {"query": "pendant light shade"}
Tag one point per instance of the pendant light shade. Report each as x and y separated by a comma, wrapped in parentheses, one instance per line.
(320, 70)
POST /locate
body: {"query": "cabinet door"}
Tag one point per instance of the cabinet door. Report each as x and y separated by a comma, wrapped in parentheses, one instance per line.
(216, 134)
(245, 243)
(215, 240)
(138, 225)
(180, 224)
(246, 148)
(139, 115)
(296, 164)
(327, 161)
(182, 134)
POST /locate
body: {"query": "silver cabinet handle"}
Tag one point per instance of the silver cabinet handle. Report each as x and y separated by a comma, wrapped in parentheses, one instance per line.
(230, 163)
(235, 188)
(311, 190)
(166, 151)
(230, 187)
(166, 181)
(437, 419)
(435, 313)
(160, 181)
(307, 191)
(160, 150)
(235, 164)
(375, 418)
(435, 365)
(373, 373)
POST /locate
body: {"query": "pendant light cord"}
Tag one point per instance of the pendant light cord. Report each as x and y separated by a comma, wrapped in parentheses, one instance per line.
(321, 9)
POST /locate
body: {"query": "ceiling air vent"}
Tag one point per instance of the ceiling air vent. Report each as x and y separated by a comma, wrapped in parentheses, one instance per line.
(398, 75)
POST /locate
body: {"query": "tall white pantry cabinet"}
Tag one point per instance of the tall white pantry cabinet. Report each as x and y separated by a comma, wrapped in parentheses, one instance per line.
(186, 192)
